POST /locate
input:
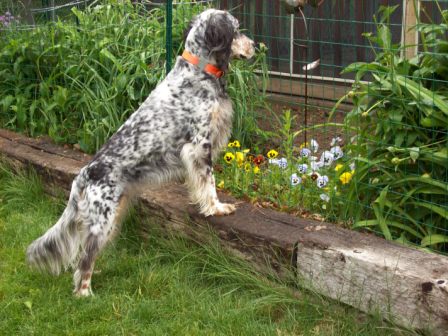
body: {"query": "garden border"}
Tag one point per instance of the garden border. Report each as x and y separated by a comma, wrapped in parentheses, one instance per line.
(405, 285)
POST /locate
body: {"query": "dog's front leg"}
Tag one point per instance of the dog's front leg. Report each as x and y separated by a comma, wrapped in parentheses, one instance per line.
(197, 158)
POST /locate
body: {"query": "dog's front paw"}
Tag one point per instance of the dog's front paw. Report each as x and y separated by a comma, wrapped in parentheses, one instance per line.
(220, 209)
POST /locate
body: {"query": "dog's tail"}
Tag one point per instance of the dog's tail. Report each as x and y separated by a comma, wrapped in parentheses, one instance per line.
(59, 246)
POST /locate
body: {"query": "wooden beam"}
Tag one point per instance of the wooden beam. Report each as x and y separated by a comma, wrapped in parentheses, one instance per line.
(409, 35)
(316, 89)
(405, 285)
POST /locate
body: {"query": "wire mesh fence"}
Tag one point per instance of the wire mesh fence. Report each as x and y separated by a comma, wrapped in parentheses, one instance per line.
(342, 116)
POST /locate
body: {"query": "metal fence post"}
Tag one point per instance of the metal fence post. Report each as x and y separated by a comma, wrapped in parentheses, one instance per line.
(169, 31)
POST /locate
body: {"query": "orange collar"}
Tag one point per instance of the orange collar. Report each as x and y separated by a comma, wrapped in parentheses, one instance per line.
(207, 67)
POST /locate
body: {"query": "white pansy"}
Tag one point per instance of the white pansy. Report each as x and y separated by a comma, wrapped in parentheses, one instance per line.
(335, 141)
(302, 168)
(337, 152)
(327, 158)
(325, 197)
(295, 180)
(352, 166)
(314, 146)
(322, 181)
(305, 152)
(316, 165)
(283, 163)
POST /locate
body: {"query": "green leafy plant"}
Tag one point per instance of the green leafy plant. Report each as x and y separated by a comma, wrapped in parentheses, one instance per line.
(247, 84)
(400, 179)
(79, 83)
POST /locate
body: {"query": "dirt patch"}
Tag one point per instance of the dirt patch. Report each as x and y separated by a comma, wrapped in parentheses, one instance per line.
(305, 118)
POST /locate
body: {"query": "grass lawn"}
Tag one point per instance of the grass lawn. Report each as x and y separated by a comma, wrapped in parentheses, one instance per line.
(150, 286)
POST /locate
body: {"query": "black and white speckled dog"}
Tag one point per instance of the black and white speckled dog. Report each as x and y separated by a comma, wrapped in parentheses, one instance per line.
(174, 135)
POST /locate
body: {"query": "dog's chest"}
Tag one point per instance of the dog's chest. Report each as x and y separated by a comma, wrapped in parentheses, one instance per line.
(220, 124)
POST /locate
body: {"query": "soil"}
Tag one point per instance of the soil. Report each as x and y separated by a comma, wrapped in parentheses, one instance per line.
(311, 116)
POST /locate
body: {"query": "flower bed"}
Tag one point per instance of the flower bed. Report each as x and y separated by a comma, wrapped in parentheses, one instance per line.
(299, 180)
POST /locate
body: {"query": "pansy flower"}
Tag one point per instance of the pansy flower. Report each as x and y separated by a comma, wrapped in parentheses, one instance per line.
(295, 180)
(337, 152)
(338, 167)
(272, 154)
(335, 141)
(322, 181)
(302, 168)
(258, 160)
(220, 184)
(324, 197)
(327, 158)
(352, 166)
(314, 176)
(229, 157)
(256, 170)
(314, 146)
(247, 167)
(316, 165)
(305, 152)
(283, 163)
(235, 144)
(345, 177)
(239, 158)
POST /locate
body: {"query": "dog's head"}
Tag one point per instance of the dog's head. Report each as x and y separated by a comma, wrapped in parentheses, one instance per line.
(214, 35)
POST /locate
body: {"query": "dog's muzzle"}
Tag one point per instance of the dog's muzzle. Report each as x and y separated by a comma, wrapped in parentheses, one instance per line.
(243, 47)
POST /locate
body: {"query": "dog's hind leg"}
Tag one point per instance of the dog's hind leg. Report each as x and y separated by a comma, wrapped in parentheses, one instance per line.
(101, 229)
(197, 158)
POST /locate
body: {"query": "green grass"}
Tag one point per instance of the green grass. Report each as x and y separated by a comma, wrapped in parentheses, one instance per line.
(156, 285)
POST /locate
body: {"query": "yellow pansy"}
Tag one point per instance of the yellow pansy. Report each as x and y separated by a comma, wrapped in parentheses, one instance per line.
(229, 157)
(345, 177)
(236, 144)
(247, 167)
(239, 158)
(338, 167)
(272, 154)
(256, 170)
(221, 184)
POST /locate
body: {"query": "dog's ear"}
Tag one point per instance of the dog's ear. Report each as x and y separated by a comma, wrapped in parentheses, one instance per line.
(219, 33)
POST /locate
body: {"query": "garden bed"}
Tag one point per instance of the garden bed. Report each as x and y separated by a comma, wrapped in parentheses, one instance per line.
(406, 285)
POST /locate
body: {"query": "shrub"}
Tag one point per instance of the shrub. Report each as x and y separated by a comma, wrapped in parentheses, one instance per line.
(401, 117)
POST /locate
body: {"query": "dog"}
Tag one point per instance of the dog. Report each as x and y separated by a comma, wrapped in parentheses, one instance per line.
(174, 135)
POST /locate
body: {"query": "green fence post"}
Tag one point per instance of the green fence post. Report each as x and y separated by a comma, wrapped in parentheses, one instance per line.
(169, 31)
